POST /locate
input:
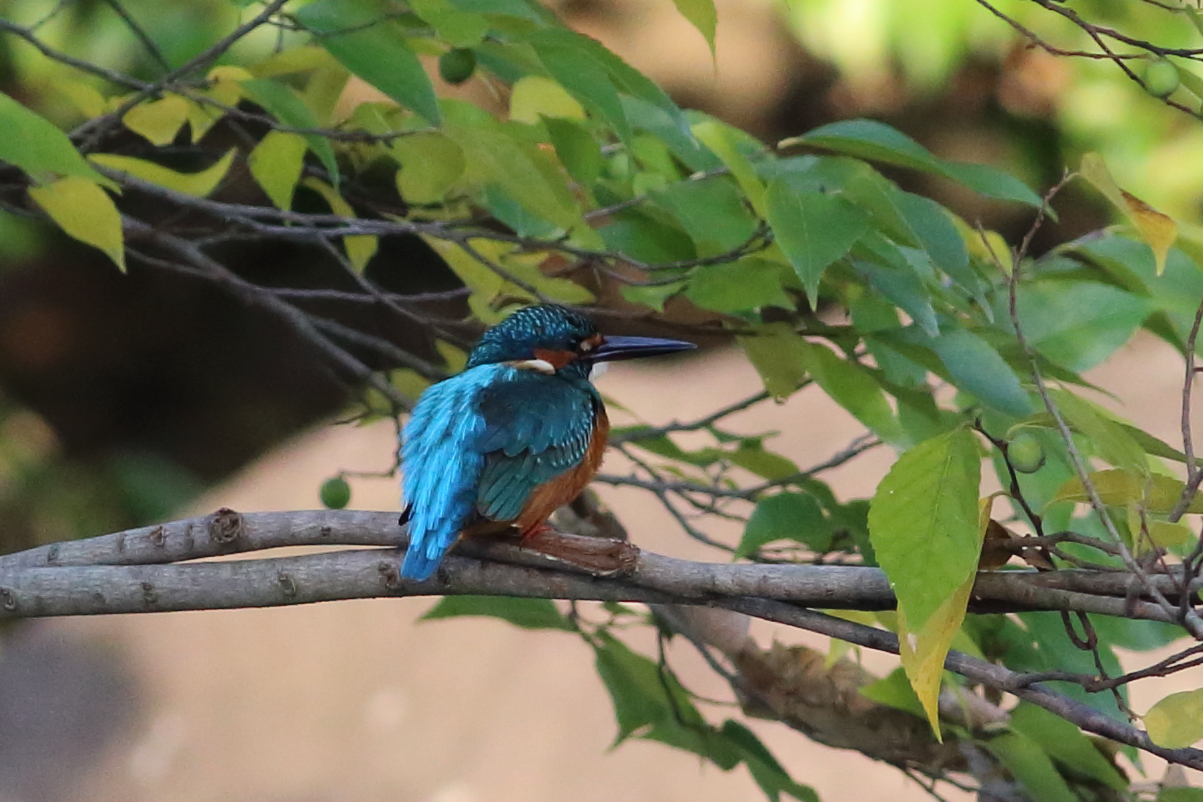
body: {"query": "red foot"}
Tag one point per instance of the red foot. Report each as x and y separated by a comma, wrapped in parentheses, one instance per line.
(598, 555)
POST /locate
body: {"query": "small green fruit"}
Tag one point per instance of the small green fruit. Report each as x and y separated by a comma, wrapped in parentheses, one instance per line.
(335, 493)
(1161, 78)
(1025, 452)
(457, 66)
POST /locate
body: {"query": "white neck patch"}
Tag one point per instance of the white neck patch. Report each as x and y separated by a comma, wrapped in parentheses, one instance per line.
(537, 365)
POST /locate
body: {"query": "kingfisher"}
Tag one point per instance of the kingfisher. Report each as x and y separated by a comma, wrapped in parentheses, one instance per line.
(498, 448)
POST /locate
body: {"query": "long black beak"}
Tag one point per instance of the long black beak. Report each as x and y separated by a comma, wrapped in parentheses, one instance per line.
(615, 348)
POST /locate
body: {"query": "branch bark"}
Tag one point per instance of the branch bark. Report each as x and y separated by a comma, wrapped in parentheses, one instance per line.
(151, 570)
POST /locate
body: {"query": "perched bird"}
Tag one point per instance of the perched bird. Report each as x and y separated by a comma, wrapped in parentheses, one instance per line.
(519, 433)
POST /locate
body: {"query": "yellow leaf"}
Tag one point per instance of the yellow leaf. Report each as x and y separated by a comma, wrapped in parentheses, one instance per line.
(1166, 534)
(158, 120)
(1116, 487)
(1157, 230)
(89, 102)
(295, 59)
(1177, 720)
(430, 164)
(456, 358)
(227, 83)
(923, 652)
(276, 164)
(534, 97)
(360, 248)
(486, 284)
(83, 210)
(198, 185)
(202, 117)
(323, 91)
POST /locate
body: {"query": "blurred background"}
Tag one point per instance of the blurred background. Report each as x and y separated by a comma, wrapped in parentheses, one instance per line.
(130, 399)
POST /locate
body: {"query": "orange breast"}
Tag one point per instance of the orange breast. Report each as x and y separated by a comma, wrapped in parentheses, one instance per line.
(550, 496)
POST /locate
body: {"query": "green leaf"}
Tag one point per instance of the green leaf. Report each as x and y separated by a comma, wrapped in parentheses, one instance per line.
(1108, 438)
(747, 284)
(764, 768)
(939, 237)
(1118, 488)
(905, 289)
(284, 104)
(526, 173)
(1181, 794)
(712, 212)
(853, 387)
(894, 690)
(359, 34)
(198, 184)
(525, 613)
(1076, 324)
(1032, 767)
(85, 212)
(32, 143)
(430, 165)
(638, 691)
(577, 149)
(701, 15)
(458, 28)
(977, 369)
(786, 516)
(586, 79)
(875, 141)
(1065, 742)
(812, 229)
(562, 51)
(779, 356)
(923, 522)
(723, 141)
(276, 164)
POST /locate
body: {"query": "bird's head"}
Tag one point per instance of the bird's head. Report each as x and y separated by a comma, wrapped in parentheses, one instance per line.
(549, 339)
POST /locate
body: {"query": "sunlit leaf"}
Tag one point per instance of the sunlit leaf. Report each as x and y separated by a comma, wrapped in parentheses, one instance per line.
(360, 248)
(84, 211)
(1117, 488)
(276, 164)
(535, 97)
(701, 15)
(1177, 720)
(577, 150)
(361, 36)
(430, 164)
(158, 120)
(198, 184)
(284, 104)
(85, 98)
(923, 649)
(34, 144)
(525, 613)
(1157, 230)
(585, 77)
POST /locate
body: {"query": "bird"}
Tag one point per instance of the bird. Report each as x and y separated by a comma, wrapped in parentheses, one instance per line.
(520, 432)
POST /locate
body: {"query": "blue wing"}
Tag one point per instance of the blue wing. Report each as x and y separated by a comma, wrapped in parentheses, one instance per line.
(536, 427)
(479, 444)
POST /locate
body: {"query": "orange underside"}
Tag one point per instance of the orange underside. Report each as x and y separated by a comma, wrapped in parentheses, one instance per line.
(550, 496)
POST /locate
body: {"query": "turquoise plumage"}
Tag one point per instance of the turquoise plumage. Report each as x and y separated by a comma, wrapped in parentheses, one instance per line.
(518, 433)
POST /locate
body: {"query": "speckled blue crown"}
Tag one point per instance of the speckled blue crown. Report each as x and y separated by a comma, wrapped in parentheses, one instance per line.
(546, 326)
